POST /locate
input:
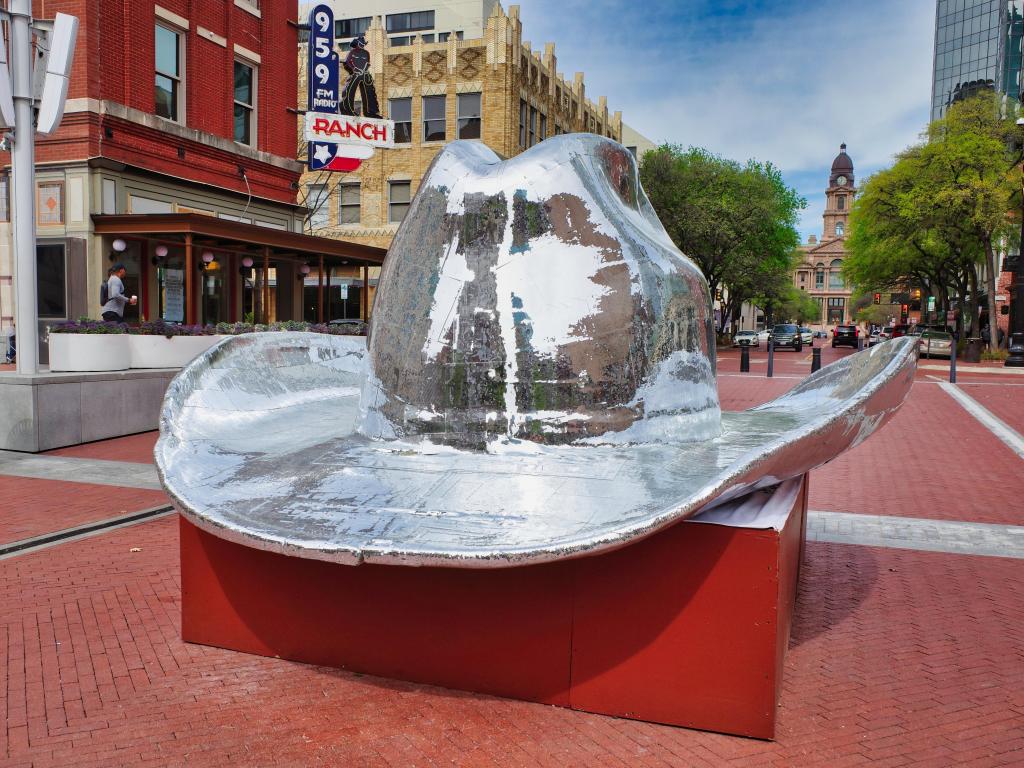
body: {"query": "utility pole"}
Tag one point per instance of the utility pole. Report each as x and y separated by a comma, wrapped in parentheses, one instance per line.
(56, 46)
(23, 198)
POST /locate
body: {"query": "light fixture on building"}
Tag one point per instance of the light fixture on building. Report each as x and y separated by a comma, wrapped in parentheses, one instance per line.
(119, 245)
(207, 257)
(247, 261)
(304, 269)
(161, 251)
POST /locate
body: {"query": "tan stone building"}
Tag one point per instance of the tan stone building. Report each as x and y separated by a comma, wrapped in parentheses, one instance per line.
(494, 89)
(818, 272)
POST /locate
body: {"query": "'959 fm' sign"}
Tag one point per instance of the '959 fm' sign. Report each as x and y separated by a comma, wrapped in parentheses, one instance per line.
(323, 62)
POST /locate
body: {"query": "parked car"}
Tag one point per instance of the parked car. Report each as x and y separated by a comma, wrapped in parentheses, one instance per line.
(787, 335)
(821, 334)
(848, 335)
(875, 337)
(763, 335)
(894, 331)
(806, 336)
(934, 343)
(746, 339)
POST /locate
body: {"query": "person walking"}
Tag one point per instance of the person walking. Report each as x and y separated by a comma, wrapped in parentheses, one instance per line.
(9, 350)
(113, 310)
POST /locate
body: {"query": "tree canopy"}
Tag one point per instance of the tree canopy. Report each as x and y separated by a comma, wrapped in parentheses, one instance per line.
(736, 221)
(943, 208)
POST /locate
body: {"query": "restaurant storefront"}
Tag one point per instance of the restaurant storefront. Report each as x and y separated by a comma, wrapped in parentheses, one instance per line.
(197, 269)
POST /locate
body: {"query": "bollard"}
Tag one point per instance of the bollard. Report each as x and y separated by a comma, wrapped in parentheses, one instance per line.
(771, 358)
(952, 362)
(860, 342)
(815, 359)
(744, 359)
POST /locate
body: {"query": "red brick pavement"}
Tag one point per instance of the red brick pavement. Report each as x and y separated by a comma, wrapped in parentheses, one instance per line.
(31, 507)
(1005, 402)
(933, 460)
(897, 658)
(137, 448)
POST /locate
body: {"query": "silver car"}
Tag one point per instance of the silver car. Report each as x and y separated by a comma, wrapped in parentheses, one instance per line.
(935, 344)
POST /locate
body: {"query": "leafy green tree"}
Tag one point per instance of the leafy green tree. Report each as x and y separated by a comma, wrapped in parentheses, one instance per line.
(799, 307)
(943, 208)
(736, 221)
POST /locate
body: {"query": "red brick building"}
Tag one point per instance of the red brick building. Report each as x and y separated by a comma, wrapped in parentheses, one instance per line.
(177, 108)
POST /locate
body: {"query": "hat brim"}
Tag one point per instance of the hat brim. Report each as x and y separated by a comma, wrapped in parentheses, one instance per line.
(259, 445)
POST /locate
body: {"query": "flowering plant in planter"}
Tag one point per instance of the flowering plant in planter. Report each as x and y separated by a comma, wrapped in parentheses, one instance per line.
(85, 325)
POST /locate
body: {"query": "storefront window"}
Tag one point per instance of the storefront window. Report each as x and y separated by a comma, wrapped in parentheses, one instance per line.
(215, 293)
(51, 281)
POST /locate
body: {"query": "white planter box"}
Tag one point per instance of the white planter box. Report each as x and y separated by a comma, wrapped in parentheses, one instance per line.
(161, 352)
(89, 352)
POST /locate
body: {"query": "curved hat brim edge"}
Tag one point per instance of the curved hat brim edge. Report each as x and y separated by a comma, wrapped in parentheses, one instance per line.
(840, 424)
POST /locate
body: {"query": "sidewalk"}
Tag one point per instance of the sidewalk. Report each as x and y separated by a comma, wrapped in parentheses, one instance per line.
(898, 656)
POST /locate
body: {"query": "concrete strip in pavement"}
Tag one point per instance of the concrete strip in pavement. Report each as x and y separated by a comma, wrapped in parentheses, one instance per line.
(996, 426)
(916, 533)
(126, 474)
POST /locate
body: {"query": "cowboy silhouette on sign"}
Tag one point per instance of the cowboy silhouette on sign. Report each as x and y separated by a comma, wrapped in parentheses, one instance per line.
(357, 64)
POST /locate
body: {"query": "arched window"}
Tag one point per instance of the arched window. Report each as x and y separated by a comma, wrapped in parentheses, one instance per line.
(819, 276)
(835, 276)
(841, 202)
(839, 229)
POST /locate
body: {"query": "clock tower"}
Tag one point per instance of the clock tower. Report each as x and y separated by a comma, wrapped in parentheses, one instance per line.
(839, 196)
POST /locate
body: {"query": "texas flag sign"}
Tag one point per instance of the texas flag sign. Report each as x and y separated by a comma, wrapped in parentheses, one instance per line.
(338, 157)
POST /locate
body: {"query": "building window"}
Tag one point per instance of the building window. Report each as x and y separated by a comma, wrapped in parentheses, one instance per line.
(836, 311)
(434, 118)
(543, 126)
(428, 38)
(410, 22)
(399, 194)
(51, 293)
(522, 124)
(5, 198)
(533, 126)
(401, 112)
(168, 73)
(316, 199)
(841, 202)
(835, 276)
(469, 115)
(840, 229)
(398, 42)
(443, 37)
(819, 276)
(348, 203)
(351, 27)
(245, 102)
(50, 202)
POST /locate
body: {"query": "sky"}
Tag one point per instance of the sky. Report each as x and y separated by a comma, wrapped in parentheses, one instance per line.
(784, 82)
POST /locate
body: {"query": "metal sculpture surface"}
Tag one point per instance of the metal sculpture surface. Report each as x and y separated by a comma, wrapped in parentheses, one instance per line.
(539, 384)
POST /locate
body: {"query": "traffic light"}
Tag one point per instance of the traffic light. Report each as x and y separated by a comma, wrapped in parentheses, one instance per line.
(878, 298)
(904, 311)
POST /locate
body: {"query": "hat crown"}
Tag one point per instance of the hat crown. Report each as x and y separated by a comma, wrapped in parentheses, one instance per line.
(539, 298)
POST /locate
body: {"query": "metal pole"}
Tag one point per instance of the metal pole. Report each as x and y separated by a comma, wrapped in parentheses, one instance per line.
(24, 197)
(952, 361)
(320, 292)
(771, 358)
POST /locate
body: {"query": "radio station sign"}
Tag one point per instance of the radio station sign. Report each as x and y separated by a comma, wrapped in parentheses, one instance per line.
(324, 127)
(336, 139)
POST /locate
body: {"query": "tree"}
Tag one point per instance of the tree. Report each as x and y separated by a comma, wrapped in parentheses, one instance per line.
(943, 209)
(737, 222)
(798, 307)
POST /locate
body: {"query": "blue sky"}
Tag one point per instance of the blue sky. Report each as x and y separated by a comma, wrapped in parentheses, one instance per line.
(765, 79)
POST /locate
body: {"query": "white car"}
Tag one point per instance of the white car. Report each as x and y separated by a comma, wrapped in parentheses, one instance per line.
(746, 339)
(806, 336)
(764, 335)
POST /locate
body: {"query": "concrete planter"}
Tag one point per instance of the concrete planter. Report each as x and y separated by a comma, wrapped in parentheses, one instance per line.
(89, 352)
(161, 352)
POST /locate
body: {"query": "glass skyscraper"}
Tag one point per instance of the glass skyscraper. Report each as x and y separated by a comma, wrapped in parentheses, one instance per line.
(977, 47)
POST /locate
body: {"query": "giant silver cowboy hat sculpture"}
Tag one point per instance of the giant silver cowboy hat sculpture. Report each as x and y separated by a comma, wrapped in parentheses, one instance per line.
(538, 383)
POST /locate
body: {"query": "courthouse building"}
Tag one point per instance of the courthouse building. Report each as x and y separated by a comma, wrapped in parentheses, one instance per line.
(447, 71)
(821, 260)
(177, 157)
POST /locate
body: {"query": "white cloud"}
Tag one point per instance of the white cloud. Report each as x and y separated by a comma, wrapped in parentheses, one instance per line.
(785, 82)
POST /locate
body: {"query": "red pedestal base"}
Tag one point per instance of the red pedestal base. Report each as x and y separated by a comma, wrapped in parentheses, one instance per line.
(687, 627)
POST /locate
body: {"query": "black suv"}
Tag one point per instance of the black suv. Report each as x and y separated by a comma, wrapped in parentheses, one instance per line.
(845, 334)
(787, 335)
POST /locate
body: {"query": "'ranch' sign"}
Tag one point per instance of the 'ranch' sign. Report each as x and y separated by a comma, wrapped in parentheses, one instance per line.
(345, 129)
